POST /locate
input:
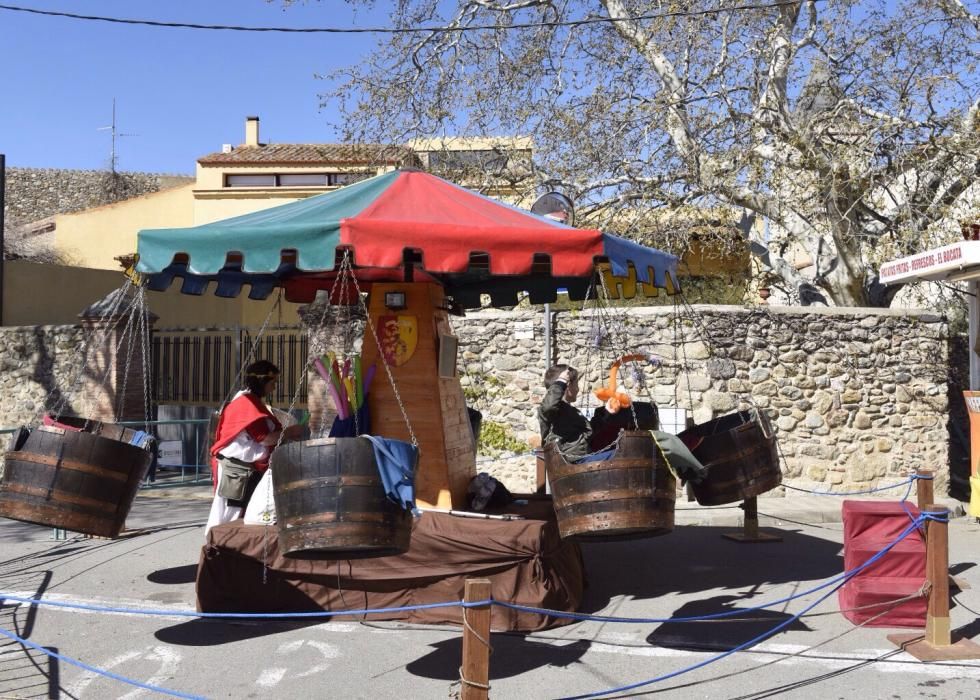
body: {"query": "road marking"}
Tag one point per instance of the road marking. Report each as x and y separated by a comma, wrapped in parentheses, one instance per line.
(271, 677)
(763, 653)
(168, 659)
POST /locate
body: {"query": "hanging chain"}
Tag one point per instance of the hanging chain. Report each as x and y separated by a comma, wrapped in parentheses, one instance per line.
(147, 358)
(683, 346)
(134, 326)
(251, 353)
(384, 363)
(624, 350)
(111, 360)
(73, 384)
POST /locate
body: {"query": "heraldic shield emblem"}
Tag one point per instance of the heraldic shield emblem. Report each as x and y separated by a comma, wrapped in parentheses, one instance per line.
(398, 335)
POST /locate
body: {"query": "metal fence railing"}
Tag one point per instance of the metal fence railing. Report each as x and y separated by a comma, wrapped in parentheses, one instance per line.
(186, 466)
(202, 366)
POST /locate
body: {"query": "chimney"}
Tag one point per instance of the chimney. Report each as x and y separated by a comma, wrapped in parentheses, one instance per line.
(251, 131)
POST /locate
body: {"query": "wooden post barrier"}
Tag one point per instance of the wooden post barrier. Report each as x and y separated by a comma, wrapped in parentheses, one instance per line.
(474, 674)
(937, 644)
(750, 526)
(923, 488)
(925, 495)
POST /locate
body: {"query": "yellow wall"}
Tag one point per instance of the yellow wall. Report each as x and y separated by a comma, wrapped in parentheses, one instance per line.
(38, 294)
(214, 202)
(92, 238)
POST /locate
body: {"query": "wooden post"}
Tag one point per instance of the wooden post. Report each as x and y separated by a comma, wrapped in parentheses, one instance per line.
(923, 488)
(750, 526)
(937, 643)
(475, 670)
(925, 495)
(937, 569)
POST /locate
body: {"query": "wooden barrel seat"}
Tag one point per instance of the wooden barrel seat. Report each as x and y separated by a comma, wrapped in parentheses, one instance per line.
(331, 503)
(739, 451)
(81, 480)
(628, 495)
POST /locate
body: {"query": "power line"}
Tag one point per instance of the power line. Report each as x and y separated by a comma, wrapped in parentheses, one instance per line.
(403, 30)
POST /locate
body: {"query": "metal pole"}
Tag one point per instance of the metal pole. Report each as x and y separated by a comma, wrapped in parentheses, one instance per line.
(3, 206)
(548, 355)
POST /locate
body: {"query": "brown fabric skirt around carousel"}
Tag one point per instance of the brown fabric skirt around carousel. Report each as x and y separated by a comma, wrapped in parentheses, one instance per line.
(526, 561)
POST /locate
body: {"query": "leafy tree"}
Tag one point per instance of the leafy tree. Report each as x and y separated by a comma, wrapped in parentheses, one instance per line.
(842, 132)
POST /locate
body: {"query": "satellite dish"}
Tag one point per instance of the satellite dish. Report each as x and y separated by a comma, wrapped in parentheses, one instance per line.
(557, 206)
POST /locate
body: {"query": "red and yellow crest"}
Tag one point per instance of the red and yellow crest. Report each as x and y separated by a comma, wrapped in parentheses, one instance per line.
(398, 335)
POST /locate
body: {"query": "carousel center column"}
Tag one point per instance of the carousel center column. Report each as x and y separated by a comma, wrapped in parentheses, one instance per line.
(411, 323)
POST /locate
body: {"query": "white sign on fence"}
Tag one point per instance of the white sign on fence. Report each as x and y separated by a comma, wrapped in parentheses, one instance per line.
(170, 452)
(524, 330)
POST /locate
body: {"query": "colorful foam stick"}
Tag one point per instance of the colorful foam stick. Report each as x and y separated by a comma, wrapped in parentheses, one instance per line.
(305, 418)
(358, 380)
(321, 369)
(368, 376)
(616, 400)
(351, 393)
(339, 405)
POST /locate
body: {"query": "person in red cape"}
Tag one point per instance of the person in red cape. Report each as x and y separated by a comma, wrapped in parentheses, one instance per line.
(247, 433)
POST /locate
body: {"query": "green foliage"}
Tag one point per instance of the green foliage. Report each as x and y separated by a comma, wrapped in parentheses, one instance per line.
(480, 388)
(497, 437)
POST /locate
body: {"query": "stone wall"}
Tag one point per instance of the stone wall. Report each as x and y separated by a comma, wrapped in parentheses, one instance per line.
(858, 396)
(80, 370)
(37, 193)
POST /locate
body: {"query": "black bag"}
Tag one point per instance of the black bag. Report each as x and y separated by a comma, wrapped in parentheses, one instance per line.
(486, 492)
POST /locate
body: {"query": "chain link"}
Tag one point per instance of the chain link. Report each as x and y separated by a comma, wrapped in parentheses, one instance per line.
(384, 363)
(73, 384)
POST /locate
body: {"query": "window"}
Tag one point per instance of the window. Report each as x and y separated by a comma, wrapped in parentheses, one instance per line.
(341, 179)
(302, 180)
(296, 179)
(250, 180)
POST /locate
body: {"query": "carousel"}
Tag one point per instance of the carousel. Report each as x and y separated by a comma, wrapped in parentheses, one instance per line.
(368, 514)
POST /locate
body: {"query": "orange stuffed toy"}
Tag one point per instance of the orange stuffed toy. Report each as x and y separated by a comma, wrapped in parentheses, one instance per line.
(616, 400)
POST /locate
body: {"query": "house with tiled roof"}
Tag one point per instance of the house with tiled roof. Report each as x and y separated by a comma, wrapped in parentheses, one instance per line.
(233, 181)
(241, 179)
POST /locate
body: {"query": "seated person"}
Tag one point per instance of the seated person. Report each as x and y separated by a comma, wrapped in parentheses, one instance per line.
(565, 425)
(560, 422)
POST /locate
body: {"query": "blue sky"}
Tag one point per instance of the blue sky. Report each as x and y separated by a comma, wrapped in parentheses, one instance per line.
(182, 92)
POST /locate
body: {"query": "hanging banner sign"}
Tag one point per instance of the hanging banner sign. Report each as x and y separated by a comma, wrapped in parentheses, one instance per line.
(399, 336)
(934, 264)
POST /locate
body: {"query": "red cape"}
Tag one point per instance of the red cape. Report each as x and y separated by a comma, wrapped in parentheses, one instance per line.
(245, 412)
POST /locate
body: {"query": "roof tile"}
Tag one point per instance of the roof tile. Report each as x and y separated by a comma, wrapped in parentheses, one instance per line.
(314, 153)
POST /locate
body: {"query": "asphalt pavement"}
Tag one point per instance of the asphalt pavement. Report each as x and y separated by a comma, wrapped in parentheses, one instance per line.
(691, 571)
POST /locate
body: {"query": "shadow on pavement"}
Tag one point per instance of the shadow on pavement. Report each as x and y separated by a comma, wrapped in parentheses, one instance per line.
(175, 574)
(723, 633)
(205, 633)
(693, 559)
(512, 656)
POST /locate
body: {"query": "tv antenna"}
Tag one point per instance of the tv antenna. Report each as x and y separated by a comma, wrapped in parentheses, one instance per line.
(113, 158)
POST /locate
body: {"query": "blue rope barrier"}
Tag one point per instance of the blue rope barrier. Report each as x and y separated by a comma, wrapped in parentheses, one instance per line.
(712, 616)
(99, 671)
(777, 628)
(427, 606)
(255, 616)
(910, 481)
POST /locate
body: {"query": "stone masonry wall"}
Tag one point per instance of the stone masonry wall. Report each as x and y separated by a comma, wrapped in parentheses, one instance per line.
(37, 193)
(858, 396)
(41, 367)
